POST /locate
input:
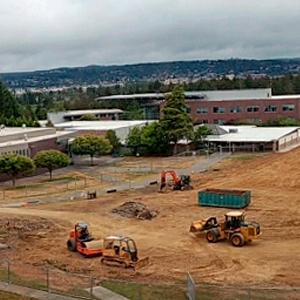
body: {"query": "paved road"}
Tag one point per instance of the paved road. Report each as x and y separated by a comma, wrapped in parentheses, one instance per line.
(199, 166)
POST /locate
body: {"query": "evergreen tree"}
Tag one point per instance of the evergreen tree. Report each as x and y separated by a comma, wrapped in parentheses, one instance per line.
(176, 122)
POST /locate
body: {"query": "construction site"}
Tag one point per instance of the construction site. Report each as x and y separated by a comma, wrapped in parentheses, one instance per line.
(156, 219)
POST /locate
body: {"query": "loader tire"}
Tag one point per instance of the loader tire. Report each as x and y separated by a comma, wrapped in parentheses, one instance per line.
(211, 236)
(71, 244)
(237, 240)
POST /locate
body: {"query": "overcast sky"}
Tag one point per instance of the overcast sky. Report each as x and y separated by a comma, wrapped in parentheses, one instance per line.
(40, 34)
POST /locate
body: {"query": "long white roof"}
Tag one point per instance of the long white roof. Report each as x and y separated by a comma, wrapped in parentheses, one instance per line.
(100, 125)
(218, 95)
(252, 134)
(91, 111)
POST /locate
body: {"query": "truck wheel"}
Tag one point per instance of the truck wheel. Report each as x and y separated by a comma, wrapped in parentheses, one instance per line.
(237, 240)
(211, 236)
(71, 244)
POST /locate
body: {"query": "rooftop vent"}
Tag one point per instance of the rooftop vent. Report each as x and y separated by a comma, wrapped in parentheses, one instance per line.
(233, 130)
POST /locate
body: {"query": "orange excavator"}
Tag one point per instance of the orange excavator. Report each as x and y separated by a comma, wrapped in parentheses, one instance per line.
(181, 182)
(80, 240)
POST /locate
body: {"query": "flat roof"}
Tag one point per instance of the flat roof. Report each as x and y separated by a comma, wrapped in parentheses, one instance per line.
(251, 134)
(217, 95)
(278, 97)
(58, 134)
(92, 111)
(5, 131)
(100, 125)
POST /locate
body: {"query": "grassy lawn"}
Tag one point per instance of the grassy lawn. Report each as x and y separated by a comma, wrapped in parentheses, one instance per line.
(10, 296)
(134, 291)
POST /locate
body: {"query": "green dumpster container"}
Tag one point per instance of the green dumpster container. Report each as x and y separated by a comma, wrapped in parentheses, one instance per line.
(224, 198)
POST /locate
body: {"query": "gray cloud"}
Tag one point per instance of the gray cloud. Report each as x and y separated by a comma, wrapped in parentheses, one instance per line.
(39, 34)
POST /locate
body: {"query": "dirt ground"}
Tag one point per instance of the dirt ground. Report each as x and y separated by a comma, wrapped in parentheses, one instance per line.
(106, 173)
(272, 260)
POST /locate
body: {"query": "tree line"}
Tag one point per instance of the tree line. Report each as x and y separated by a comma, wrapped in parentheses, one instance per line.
(13, 113)
(79, 98)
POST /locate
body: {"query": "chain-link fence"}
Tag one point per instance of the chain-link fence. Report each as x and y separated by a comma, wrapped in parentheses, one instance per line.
(56, 281)
(47, 278)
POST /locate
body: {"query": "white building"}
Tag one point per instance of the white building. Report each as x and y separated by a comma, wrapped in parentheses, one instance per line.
(28, 141)
(252, 138)
(122, 128)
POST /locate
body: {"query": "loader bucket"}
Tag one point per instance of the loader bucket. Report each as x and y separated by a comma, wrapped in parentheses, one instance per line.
(141, 263)
(196, 226)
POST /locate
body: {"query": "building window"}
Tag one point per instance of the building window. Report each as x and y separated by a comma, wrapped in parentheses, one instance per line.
(236, 109)
(188, 110)
(220, 122)
(204, 121)
(270, 108)
(288, 107)
(252, 109)
(202, 110)
(218, 110)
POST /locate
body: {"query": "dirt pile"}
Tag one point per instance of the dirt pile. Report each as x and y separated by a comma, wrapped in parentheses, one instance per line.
(137, 210)
(23, 227)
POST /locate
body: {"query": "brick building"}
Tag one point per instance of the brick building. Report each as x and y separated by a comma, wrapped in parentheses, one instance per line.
(28, 141)
(223, 107)
(253, 106)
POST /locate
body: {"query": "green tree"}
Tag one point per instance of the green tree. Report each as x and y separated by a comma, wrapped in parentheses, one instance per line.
(200, 134)
(41, 112)
(134, 139)
(175, 121)
(8, 103)
(89, 117)
(133, 112)
(154, 140)
(51, 160)
(114, 140)
(91, 145)
(16, 165)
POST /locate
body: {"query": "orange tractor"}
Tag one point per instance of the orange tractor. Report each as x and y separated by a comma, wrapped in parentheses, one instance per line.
(181, 182)
(80, 240)
(115, 250)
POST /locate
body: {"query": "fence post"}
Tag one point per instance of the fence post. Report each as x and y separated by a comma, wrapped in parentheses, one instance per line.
(91, 287)
(8, 272)
(48, 280)
(191, 287)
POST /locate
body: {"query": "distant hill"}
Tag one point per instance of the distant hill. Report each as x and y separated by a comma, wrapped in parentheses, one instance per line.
(151, 71)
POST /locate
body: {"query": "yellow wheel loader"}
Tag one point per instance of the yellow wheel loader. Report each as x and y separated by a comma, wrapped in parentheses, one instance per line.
(233, 228)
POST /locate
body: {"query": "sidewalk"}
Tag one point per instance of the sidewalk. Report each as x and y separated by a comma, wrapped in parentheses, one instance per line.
(102, 293)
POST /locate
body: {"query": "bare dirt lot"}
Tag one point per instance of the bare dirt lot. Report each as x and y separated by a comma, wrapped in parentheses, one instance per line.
(273, 260)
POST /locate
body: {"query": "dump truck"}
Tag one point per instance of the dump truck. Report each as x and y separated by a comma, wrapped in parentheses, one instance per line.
(122, 251)
(179, 182)
(234, 228)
